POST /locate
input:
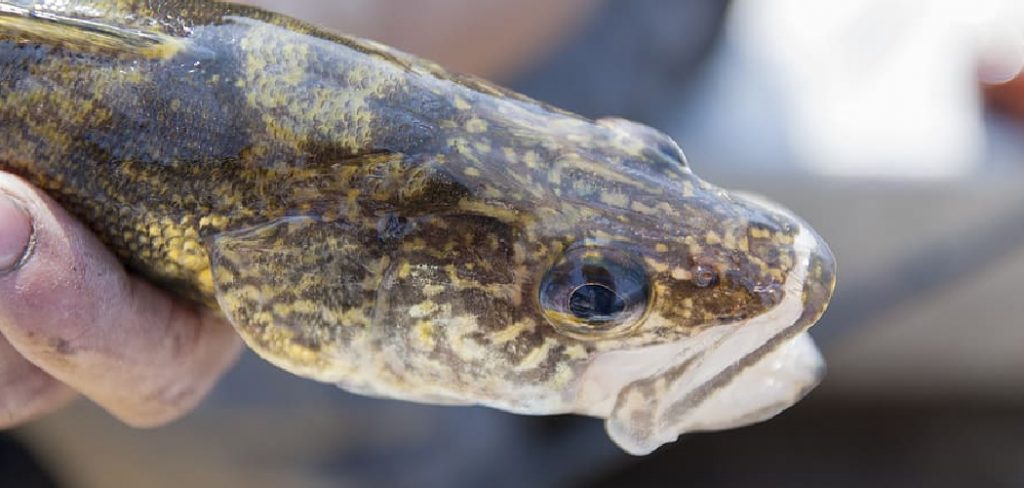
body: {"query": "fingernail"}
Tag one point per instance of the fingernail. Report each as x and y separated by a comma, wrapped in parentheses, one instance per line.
(15, 234)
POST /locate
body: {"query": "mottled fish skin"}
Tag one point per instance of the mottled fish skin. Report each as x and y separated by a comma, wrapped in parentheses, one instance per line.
(366, 218)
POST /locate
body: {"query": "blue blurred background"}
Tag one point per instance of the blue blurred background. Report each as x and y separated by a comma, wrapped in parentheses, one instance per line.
(896, 127)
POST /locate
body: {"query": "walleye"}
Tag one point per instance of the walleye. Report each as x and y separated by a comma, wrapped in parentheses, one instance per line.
(364, 218)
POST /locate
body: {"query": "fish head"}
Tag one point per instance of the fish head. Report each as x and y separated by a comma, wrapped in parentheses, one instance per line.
(593, 272)
(541, 263)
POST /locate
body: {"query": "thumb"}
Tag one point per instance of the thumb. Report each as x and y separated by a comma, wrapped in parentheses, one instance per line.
(69, 308)
(25, 390)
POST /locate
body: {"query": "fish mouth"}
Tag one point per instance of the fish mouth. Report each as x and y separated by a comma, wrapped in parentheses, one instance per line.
(725, 376)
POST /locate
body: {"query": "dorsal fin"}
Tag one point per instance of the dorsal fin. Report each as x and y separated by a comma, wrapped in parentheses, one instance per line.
(83, 34)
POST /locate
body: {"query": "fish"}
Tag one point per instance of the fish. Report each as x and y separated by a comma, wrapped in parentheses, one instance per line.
(365, 218)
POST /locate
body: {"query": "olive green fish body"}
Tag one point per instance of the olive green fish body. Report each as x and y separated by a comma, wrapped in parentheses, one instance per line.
(247, 118)
(363, 217)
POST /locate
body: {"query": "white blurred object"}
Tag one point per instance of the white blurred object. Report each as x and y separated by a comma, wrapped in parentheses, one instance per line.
(881, 87)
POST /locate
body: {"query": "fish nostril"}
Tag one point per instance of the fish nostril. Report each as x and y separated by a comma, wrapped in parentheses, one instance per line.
(704, 276)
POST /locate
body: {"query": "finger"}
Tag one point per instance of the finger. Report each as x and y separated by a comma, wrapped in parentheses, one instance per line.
(26, 392)
(70, 309)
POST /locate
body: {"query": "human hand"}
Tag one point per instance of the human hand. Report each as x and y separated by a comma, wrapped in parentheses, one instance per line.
(72, 321)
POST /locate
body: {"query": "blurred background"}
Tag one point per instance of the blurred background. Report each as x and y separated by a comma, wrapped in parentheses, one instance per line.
(896, 127)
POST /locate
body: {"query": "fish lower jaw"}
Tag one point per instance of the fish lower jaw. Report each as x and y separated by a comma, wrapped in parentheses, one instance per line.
(724, 377)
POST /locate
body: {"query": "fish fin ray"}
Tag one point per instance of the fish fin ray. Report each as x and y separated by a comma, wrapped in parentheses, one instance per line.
(82, 34)
(296, 287)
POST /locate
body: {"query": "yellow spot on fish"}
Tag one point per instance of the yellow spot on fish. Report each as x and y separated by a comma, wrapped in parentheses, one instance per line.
(422, 309)
(563, 375)
(513, 331)
(687, 189)
(509, 153)
(681, 274)
(432, 290)
(476, 125)
(353, 317)
(575, 352)
(729, 241)
(614, 199)
(786, 261)
(205, 281)
(457, 331)
(461, 103)
(482, 147)
(503, 214)
(536, 356)
(657, 266)
(640, 207)
(404, 270)
(531, 159)
(423, 333)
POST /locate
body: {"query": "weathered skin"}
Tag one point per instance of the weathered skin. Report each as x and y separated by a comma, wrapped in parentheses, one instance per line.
(364, 218)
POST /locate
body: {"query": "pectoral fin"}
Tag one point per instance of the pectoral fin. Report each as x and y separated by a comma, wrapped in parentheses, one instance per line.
(297, 287)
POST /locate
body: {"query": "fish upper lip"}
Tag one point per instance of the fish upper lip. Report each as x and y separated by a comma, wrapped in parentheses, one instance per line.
(820, 283)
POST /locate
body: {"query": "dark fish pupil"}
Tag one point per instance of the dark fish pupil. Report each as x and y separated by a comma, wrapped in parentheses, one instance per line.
(596, 303)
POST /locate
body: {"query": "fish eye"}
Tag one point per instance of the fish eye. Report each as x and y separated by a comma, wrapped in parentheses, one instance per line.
(594, 292)
(595, 302)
